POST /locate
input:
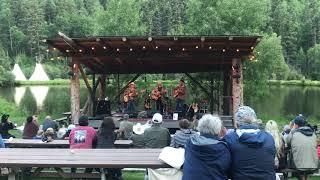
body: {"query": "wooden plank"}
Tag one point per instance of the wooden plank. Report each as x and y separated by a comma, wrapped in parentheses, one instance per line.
(87, 158)
(33, 143)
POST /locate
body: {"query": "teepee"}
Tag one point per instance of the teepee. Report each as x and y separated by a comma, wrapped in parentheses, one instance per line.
(19, 76)
(39, 74)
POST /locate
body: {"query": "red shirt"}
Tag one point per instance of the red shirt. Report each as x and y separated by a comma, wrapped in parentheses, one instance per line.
(82, 137)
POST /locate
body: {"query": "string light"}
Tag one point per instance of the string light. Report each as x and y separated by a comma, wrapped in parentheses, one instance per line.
(131, 49)
(183, 49)
(143, 47)
(157, 47)
(210, 47)
(104, 47)
(252, 47)
(67, 50)
(118, 49)
(80, 50)
(92, 48)
(223, 50)
(197, 47)
(238, 50)
(169, 49)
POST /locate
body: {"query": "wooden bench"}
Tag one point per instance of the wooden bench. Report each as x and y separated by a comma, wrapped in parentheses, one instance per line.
(15, 158)
(36, 143)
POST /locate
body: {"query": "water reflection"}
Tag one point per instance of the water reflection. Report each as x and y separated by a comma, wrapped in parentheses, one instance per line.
(19, 94)
(39, 93)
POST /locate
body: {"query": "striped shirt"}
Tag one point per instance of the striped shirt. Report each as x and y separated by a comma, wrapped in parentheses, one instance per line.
(181, 137)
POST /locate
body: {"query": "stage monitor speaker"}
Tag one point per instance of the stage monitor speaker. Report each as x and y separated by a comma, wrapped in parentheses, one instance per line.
(103, 107)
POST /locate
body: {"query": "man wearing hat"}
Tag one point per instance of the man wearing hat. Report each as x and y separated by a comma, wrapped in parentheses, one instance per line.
(156, 136)
(180, 94)
(125, 127)
(252, 149)
(302, 142)
(138, 136)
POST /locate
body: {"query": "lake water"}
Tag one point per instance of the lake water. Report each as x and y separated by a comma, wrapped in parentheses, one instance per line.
(281, 101)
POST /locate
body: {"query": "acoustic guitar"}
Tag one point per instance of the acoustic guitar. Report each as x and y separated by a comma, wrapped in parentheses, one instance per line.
(155, 95)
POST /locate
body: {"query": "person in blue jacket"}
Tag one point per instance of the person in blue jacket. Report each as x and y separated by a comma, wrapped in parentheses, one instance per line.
(1, 142)
(206, 156)
(252, 149)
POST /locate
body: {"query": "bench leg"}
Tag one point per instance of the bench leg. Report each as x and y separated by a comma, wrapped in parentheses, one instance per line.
(103, 174)
(12, 174)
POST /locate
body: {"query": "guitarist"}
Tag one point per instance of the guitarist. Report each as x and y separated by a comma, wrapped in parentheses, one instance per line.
(158, 94)
(129, 98)
(180, 94)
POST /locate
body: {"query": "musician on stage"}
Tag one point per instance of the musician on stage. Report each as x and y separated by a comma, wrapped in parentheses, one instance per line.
(130, 96)
(180, 94)
(158, 94)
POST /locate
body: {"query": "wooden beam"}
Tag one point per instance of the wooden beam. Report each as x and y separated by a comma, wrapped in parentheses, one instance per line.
(85, 79)
(237, 86)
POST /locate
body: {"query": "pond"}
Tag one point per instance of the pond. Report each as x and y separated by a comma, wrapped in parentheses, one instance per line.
(281, 101)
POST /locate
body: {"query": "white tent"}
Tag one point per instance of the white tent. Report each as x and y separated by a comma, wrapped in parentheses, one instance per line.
(19, 76)
(39, 74)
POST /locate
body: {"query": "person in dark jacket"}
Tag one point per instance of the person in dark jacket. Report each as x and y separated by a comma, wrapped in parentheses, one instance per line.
(30, 128)
(137, 137)
(49, 123)
(252, 149)
(2, 145)
(5, 126)
(106, 137)
(206, 156)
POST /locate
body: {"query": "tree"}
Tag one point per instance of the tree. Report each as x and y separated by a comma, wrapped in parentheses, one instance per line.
(313, 55)
(269, 60)
(122, 17)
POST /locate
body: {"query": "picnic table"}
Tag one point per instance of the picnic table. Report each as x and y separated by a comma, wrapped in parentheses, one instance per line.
(36, 143)
(16, 158)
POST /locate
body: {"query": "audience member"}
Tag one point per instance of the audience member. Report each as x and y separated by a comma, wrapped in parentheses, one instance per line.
(125, 127)
(83, 137)
(5, 126)
(181, 137)
(49, 123)
(156, 136)
(30, 128)
(39, 135)
(1, 142)
(280, 158)
(138, 136)
(67, 134)
(252, 149)
(106, 137)
(302, 142)
(206, 156)
(48, 135)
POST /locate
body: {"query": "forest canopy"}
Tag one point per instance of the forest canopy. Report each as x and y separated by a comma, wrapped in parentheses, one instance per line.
(289, 50)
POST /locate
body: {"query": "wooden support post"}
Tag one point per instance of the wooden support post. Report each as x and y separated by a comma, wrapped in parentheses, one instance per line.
(102, 87)
(237, 86)
(75, 92)
(227, 101)
(211, 94)
(85, 79)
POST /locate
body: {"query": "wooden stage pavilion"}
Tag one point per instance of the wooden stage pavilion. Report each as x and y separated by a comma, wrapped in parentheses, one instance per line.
(103, 56)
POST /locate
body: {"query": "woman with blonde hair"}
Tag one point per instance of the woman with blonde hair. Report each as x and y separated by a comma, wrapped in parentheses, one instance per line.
(272, 128)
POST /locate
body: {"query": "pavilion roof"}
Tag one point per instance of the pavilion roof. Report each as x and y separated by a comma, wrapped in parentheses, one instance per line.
(156, 54)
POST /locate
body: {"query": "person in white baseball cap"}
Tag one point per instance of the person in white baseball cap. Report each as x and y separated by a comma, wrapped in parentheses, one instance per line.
(157, 136)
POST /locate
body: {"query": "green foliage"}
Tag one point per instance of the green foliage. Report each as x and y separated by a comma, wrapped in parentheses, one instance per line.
(269, 61)
(313, 55)
(122, 17)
